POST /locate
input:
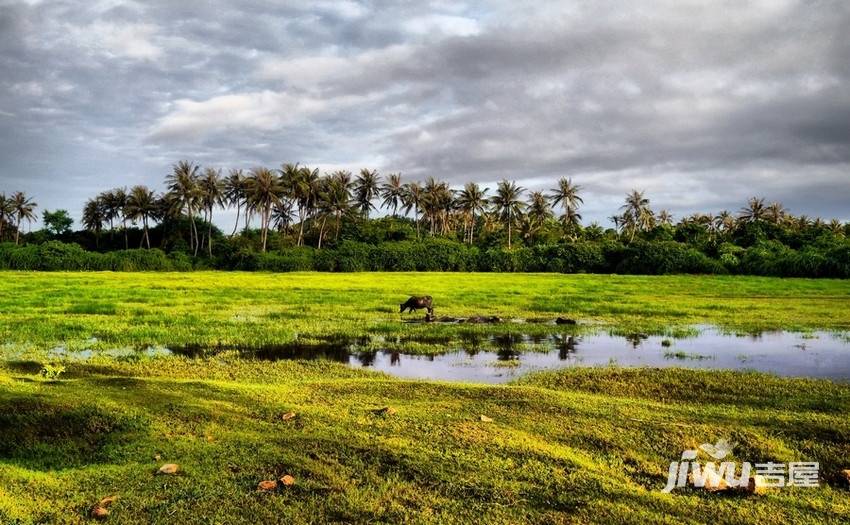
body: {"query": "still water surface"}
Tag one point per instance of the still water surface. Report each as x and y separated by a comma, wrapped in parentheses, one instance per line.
(501, 358)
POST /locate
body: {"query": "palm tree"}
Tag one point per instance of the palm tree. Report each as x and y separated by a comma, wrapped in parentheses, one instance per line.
(725, 221)
(413, 194)
(392, 192)
(366, 188)
(753, 211)
(112, 203)
(566, 194)
(471, 200)
(637, 215)
(507, 203)
(282, 216)
(539, 211)
(234, 194)
(665, 218)
(265, 190)
(23, 208)
(301, 185)
(141, 205)
(776, 213)
(437, 202)
(183, 185)
(119, 196)
(290, 179)
(5, 212)
(802, 222)
(93, 218)
(571, 221)
(211, 190)
(337, 199)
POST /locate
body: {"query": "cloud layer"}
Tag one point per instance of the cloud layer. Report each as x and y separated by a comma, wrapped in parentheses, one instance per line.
(702, 104)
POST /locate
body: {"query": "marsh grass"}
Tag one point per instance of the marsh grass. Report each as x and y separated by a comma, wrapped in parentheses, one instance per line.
(255, 309)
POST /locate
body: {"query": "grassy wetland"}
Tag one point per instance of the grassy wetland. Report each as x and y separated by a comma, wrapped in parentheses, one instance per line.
(579, 445)
(107, 310)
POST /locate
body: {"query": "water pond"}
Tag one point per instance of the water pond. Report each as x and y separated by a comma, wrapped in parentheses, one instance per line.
(498, 359)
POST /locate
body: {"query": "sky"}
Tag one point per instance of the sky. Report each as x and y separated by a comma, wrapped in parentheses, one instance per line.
(700, 104)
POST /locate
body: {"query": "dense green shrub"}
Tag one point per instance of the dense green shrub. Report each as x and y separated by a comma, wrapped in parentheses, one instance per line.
(58, 256)
(289, 260)
(826, 256)
(666, 257)
(574, 257)
(504, 260)
(137, 261)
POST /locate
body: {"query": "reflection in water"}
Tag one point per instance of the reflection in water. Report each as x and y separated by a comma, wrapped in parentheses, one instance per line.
(636, 339)
(476, 357)
(566, 345)
(506, 345)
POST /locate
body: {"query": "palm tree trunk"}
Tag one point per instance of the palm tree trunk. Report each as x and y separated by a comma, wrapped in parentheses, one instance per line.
(509, 231)
(267, 212)
(147, 235)
(238, 210)
(18, 230)
(301, 225)
(338, 224)
(195, 242)
(416, 218)
(209, 234)
(124, 225)
(203, 234)
(322, 231)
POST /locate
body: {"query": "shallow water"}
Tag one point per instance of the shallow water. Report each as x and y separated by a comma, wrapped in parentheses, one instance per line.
(818, 354)
(501, 358)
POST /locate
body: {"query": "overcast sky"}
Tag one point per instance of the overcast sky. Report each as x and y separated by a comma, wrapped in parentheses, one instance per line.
(701, 104)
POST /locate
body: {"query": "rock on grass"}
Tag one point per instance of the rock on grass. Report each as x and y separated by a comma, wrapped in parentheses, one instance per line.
(266, 485)
(169, 469)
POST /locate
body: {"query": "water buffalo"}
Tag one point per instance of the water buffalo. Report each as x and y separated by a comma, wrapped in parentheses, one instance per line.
(417, 303)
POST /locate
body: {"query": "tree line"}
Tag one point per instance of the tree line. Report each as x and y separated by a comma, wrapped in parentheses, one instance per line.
(296, 218)
(296, 201)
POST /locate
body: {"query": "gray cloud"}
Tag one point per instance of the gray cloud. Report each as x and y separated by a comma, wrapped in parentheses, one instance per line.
(702, 104)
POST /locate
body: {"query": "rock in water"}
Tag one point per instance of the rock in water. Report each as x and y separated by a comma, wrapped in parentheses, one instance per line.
(485, 419)
(564, 320)
(169, 468)
(287, 480)
(266, 485)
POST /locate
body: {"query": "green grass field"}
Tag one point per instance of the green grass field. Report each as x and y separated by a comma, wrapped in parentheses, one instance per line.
(103, 310)
(583, 445)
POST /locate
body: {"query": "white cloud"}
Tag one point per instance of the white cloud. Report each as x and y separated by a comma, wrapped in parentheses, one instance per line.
(134, 41)
(261, 110)
(310, 72)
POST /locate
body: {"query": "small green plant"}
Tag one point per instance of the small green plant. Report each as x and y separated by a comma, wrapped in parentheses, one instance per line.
(51, 372)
